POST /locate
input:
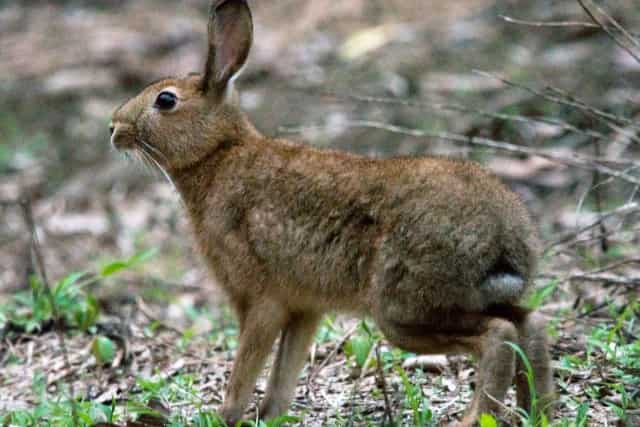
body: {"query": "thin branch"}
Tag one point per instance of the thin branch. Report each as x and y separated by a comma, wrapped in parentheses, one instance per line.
(610, 234)
(37, 255)
(461, 109)
(595, 276)
(311, 377)
(615, 265)
(583, 162)
(604, 242)
(630, 38)
(571, 100)
(603, 274)
(606, 29)
(559, 96)
(623, 210)
(608, 278)
(548, 24)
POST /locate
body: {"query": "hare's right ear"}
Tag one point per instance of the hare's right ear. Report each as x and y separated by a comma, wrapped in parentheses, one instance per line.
(230, 39)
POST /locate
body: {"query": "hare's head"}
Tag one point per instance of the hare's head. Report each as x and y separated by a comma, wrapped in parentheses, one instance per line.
(177, 121)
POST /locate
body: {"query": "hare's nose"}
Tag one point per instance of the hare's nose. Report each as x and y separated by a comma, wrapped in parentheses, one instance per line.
(114, 135)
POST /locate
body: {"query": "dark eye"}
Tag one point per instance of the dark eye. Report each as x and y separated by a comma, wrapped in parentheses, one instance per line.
(166, 101)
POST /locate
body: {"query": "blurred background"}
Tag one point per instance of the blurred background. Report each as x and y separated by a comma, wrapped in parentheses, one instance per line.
(567, 112)
(66, 65)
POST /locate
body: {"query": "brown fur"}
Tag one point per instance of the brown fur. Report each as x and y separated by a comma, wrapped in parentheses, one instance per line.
(426, 246)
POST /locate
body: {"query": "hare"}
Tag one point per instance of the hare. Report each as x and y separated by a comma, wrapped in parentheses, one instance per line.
(437, 251)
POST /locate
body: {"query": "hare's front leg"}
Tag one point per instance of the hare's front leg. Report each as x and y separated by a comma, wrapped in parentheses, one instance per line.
(260, 324)
(292, 352)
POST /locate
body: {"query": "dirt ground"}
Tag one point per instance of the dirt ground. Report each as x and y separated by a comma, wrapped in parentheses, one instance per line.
(566, 111)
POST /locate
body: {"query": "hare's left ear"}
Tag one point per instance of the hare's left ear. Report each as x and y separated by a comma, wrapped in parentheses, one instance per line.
(230, 39)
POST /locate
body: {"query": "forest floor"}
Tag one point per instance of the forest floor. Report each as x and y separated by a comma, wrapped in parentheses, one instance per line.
(552, 110)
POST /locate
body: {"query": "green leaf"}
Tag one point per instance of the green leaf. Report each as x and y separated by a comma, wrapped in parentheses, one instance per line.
(120, 265)
(540, 295)
(113, 268)
(142, 256)
(86, 313)
(582, 415)
(282, 420)
(360, 348)
(63, 286)
(487, 420)
(103, 349)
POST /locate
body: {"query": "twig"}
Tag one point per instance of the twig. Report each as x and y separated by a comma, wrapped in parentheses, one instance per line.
(603, 183)
(548, 24)
(311, 377)
(37, 255)
(466, 110)
(630, 38)
(593, 309)
(146, 311)
(610, 234)
(583, 162)
(559, 96)
(607, 278)
(602, 274)
(615, 265)
(623, 210)
(604, 243)
(610, 33)
(612, 279)
(388, 410)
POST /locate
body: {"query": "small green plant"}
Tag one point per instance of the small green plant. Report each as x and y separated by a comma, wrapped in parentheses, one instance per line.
(207, 419)
(31, 310)
(416, 401)
(534, 415)
(274, 422)
(328, 330)
(540, 295)
(103, 349)
(581, 418)
(57, 412)
(359, 347)
(582, 415)
(487, 420)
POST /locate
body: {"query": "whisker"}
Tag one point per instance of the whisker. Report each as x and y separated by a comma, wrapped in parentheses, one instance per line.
(154, 150)
(158, 166)
(149, 165)
(141, 160)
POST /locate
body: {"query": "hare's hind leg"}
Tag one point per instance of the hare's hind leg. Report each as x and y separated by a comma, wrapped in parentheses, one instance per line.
(295, 340)
(533, 341)
(496, 367)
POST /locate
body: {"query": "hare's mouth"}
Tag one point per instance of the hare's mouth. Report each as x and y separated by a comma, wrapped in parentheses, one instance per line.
(122, 136)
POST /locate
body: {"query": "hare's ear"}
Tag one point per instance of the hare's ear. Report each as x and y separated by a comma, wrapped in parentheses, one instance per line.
(230, 38)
